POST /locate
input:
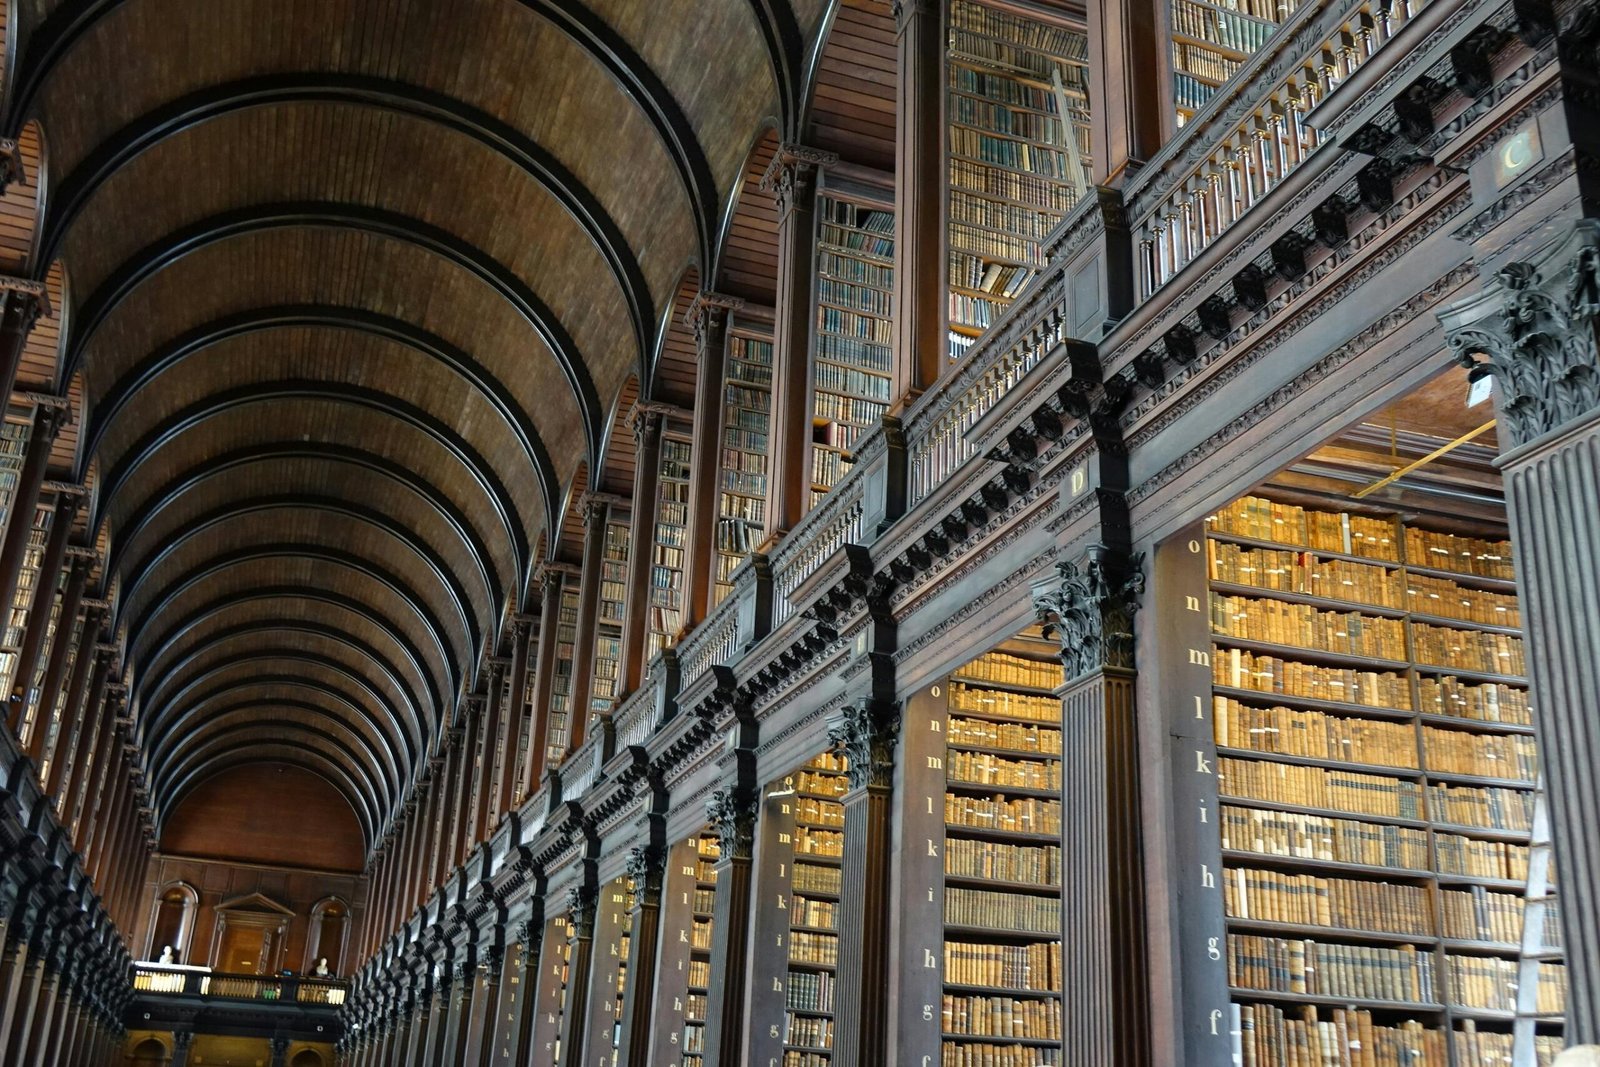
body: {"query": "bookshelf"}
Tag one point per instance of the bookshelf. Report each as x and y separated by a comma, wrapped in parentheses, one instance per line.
(1211, 40)
(851, 358)
(613, 944)
(671, 537)
(683, 970)
(746, 437)
(1018, 145)
(983, 782)
(27, 581)
(1377, 793)
(523, 712)
(34, 716)
(609, 610)
(561, 682)
(57, 737)
(13, 449)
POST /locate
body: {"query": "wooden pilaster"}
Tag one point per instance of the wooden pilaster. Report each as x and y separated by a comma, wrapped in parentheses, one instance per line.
(55, 668)
(792, 177)
(22, 302)
(582, 903)
(919, 192)
(708, 316)
(1130, 86)
(732, 813)
(507, 774)
(472, 716)
(646, 868)
(24, 500)
(37, 630)
(648, 422)
(65, 774)
(544, 679)
(494, 709)
(595, 508)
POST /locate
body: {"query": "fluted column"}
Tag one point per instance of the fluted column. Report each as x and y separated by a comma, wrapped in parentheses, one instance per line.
(472, 715)
(732, 813)
(495, 717)
(280, 1052)
(182, 1041)
(1533, 329)
(647, 868)
(507, 773)
(486, 1005)
(867, 732)
(708, 316)
(1090, 608)
(1130, 87)
(55, 668)
(581, 904)
(792, 177)
(94, 724)
(919, 192)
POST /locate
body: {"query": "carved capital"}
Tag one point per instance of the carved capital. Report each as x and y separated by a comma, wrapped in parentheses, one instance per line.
(645, 865)
(581, 901)
(866, 733)
(1533, 329)
(791, 177)
(1090, 609)
(732, 815)
(646, 423)
(707, 316)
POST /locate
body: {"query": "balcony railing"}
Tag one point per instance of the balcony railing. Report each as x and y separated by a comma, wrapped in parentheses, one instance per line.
(1257, 133)
(199, 982)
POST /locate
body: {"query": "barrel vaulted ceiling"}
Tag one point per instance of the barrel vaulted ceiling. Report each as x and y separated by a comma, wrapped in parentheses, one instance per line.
(353, 288)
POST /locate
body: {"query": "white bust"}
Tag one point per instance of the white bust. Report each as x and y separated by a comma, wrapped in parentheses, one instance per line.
(166, 955)
(1579, 1056)
(322, 967)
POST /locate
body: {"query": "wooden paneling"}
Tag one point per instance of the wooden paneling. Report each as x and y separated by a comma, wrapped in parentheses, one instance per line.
(19, 206)
(852, 107)
(749, 264)
(266, 813)
(675, 367)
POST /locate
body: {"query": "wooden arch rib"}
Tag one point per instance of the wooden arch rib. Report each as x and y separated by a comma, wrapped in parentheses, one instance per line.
(416, 741)
(174, 355)
(56, 35)
(532, 158)
(328, 740)
(317, 698)
(374, 221)
(167, 639)
(785, 45)
(232, 402)
(289, 663)
(172, 492)
(152, 689)
(307, 759)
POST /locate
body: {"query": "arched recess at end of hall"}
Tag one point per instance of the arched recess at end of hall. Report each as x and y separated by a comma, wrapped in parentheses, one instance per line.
(172, 922)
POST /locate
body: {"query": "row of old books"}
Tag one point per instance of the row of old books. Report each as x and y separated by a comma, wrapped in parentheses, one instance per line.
(1313, 734)
(1468, 650)
(962, 1054)
(1480, 914)
(805, 947)
(1347, 633)
(1001, 1016)
(1479, 701)
(984, 768)
(1426, 595)
(1039, 865)
(806, 911)
(1288, 571)
(1488, 808)
(1486, 755)
(810, 1030)
(1315, 787)
(809, 991)
(1019, 737)
(1035, 967)
(1241, 669)
(1464, 555)
(1016, 912)
(1289, 524)
(818, 812)
(849, 409)
(1268, 1036)
(1016, 670)
(1010, 705)
(1019, 815)
(1456, 854)
(1310, 900)
(812, 842)
(1301, 966)
(811, 878)
(1323, 838)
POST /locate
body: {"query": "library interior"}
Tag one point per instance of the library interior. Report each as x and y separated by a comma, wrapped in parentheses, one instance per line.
(800, 533)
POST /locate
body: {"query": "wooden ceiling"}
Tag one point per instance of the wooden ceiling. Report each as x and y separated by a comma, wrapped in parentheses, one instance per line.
(352, 296)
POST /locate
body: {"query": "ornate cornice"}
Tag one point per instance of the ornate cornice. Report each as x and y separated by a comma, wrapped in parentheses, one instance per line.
(866, 733)
(792, 174)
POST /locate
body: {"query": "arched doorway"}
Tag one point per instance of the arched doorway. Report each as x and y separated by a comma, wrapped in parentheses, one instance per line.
(306, 1058)
(173, 922)
(325, 940)
(149, 1053)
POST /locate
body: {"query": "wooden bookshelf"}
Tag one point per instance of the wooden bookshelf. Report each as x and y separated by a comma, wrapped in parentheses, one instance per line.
(14, 431)
(27, 583)
(613, 950)
(851, 355)
(610, 609)
(746, 439)
(1018, 144)
(1376, 794)
(561, 684)
(1001, 866)
(54, 735)
(1211, 40)
(522, 712)
(813, 911)
(683, 970)
(671, 537)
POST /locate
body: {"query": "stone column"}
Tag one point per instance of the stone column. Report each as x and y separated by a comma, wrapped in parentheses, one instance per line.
(581, 903)
(1533, 329)
(648, 422)
(544, 681)
(457, 1012)
(1089, 608)
(94, 723)
(526, 1000)
(37, 630)
(486, 1004)
(919, 195)
(280, 1052)
(472, 713)
(1130, 87)
(732, 814)
(25, 499)
(867, 732)
(647, 867)
(708, 316)
(792, 178)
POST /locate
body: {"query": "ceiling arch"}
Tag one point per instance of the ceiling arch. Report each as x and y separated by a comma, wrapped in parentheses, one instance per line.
(355, 314)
